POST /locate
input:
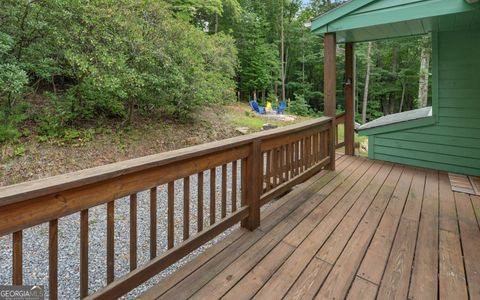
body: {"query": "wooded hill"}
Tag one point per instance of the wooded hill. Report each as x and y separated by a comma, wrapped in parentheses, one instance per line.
(66, 63)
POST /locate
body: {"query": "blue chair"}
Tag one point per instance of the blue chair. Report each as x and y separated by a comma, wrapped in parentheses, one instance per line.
(258, 109)
(281, 108)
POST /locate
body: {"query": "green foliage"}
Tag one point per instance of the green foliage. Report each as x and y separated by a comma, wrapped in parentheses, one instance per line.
(111, 58)
(395, 72)
(13, 80)
(82, 61)
(299, 106)
(8, 132)
(19, 151)
(10, 119)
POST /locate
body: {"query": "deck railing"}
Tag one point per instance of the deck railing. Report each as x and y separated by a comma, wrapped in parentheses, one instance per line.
(262, 167)
(340, 119)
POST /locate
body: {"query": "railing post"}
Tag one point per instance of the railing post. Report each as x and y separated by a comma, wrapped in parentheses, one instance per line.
(330, 90)
(349, 100)
(332, 143)
(254, 179)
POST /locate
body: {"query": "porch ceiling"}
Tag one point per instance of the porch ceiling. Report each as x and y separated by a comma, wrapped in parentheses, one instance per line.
(361, 20)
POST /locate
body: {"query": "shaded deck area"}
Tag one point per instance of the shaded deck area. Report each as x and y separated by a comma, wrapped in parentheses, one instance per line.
(369, 229)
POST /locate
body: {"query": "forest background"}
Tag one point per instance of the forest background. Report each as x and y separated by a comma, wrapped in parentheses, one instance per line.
(68, 65)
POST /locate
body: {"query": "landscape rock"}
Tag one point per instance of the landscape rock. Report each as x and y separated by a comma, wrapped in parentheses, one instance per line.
(269, 126)
(243, 130)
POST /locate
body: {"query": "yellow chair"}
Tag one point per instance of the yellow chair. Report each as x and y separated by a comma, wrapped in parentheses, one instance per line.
(268, 107)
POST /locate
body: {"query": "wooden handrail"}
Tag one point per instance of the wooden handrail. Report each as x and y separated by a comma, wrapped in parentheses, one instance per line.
(33, 189)
(270, 163)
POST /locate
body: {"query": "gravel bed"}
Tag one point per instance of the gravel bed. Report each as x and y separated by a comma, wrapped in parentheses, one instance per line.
(35, 242)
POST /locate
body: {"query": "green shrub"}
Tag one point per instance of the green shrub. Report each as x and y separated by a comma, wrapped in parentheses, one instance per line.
(110, 58)
(70, 134)
(8, 132)
(19, 151)
(299, 106)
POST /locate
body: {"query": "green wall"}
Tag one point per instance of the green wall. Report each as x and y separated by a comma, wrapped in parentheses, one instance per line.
(452, 143)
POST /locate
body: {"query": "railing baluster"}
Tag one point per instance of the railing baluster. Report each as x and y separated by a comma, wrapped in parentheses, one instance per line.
(213, 192)
(244, 182)
(269, 171)
(281, 166)
(288, 157)
(17, 262)
(275, 167)
(133, 232)
(315, 148)
(305, 154)
(300, 157)
(295, 158)
(84, 253)
(244, 187)
(284, 162)
(224, 191)
(324, 151)
(290, 161)
(171, 214)
(309, 151)
(186, 208)
(53, 259)
(110, 241)
(312, 155)
(153, 223)
(234, 186)
(200, 202)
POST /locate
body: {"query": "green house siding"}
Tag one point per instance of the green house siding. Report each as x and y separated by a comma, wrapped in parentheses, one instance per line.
(453, 142)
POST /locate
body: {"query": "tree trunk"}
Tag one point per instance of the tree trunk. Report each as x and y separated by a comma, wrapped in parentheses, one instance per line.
(131, 106)
(424, 75)
(216, 23)
(355, 85)
(367, 83)
(404, 88)
(392, 97)
(282, 52)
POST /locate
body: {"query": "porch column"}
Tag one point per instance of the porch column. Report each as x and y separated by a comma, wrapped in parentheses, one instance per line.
(330, 89)
(349, 100)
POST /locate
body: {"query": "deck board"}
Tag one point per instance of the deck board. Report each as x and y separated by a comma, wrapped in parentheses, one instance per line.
(470, 237)
(424, 280)
(367, 230)
(396, 279)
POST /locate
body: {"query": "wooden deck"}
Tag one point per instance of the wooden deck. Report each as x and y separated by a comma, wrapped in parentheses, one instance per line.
(367, 230)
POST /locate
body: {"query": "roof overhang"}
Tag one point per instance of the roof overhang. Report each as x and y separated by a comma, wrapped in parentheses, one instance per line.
(364, 20)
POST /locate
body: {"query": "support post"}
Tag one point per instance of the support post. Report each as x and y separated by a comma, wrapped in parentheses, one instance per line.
(254, 180)
(349, 100)
(330, 90)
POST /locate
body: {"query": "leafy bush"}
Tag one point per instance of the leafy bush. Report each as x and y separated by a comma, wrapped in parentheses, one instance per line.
(300, 106)
(10, 118)
(8, 132)
(110, 58)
